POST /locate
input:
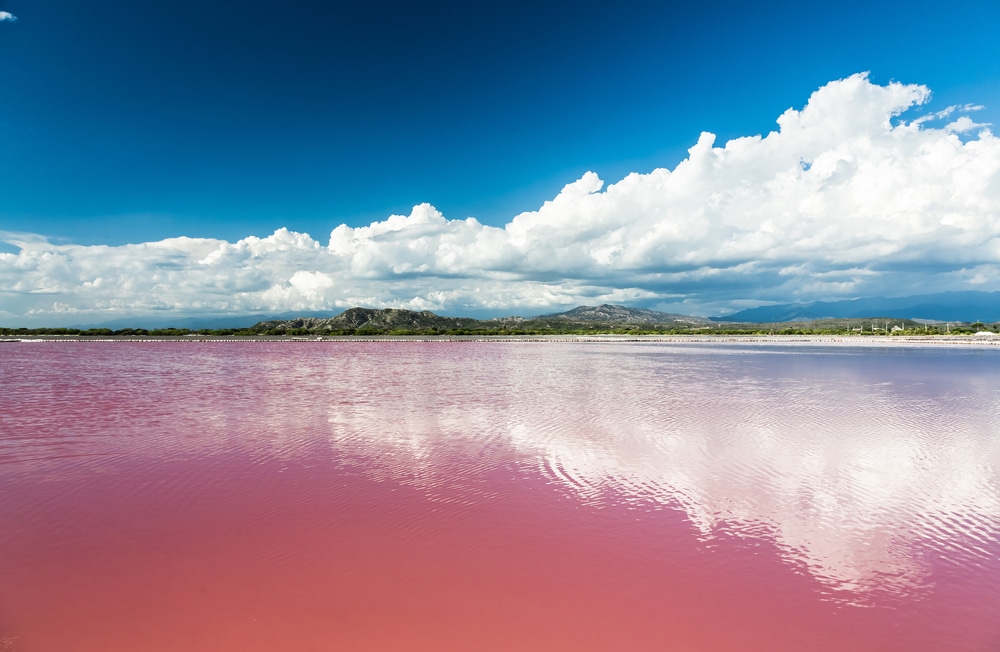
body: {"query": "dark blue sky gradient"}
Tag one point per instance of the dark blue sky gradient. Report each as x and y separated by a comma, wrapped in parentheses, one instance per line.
(125, 121)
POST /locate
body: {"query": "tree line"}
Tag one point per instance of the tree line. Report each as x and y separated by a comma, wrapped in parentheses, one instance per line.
(823, 327)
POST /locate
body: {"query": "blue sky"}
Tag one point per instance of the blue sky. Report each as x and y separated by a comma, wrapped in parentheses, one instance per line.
(129, 122)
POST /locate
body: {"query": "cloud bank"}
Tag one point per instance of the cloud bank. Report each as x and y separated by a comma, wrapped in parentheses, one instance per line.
(847, 198)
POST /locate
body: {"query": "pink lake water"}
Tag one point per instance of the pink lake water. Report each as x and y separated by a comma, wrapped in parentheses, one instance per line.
(498, 496)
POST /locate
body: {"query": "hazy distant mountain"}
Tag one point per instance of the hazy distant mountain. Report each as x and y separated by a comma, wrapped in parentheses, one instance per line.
(948, 306)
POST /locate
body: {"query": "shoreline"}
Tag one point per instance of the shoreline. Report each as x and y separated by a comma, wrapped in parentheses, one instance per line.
(804, 340)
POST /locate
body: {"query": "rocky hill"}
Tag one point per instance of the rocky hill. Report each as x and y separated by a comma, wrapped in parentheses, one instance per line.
(356, 319)
(612, 314)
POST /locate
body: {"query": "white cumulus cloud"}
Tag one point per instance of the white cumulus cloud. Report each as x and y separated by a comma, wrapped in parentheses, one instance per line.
(6, 16)
(846, 198)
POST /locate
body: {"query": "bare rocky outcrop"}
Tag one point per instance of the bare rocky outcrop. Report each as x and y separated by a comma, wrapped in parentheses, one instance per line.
(612, 314)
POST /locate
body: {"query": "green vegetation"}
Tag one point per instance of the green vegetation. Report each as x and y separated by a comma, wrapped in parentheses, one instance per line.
(427, 324)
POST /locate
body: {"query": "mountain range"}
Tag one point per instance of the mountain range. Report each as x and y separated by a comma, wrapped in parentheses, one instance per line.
(385, 320)
(943, 307)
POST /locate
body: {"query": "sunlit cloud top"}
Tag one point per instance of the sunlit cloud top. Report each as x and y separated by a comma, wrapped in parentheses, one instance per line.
(850, 196)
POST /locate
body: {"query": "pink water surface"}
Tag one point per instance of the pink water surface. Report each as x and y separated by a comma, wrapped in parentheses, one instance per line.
(497, 496)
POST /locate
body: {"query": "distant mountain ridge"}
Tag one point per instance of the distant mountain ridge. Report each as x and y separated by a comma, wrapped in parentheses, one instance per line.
(356, 319)
(967, 306)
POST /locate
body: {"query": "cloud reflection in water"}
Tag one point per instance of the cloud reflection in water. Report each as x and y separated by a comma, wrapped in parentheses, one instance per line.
(860, 466)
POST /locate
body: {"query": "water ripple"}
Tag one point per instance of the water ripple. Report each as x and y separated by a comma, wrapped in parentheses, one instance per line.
(867, 471)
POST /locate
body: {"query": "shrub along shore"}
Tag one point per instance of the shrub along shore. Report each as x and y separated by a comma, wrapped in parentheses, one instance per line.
(853, 327)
